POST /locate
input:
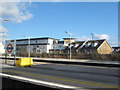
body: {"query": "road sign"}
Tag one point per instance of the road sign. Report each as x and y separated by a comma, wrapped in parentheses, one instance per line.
(38, 50)
(9, 47)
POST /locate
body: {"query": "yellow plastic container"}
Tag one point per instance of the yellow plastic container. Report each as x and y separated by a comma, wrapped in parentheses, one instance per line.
(24, 62)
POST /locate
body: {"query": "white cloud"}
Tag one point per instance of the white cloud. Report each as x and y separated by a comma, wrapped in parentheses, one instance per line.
(15, 11)
(114, 43)
(96, 37)
(3, 29)
(2, 50)
(119, 43)
(3, 33)
(101, 36)
(83, 38)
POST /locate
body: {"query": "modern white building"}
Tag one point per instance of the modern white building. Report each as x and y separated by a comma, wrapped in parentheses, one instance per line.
(2, 50)
(43, 44)
(53, 46)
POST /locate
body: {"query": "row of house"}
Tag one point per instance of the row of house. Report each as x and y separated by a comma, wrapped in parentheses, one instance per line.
(99, 46)
(51, 45)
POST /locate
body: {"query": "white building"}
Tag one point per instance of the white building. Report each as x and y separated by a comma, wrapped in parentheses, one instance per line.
(2, 50)
(43, 44)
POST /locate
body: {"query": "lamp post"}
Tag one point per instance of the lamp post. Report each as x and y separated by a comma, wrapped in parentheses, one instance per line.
(14, 52)
(5, 20)
(70, 41)
(92, 36)
(28, 45)
(2, 19)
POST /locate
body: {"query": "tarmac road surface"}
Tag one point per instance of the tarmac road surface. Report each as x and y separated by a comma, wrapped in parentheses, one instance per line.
(79, 76)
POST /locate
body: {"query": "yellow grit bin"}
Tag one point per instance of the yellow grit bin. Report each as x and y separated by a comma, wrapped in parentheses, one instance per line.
(24, 62)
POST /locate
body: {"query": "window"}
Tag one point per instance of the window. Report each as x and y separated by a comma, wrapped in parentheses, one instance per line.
(76, 45)
(90, 51)
(88, 44)
(60, 46)
(36, 41)
(43, 47)
(95, 44)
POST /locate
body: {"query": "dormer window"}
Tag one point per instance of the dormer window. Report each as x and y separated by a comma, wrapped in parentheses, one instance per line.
(88, 44)
(95, 44)
(60, 46)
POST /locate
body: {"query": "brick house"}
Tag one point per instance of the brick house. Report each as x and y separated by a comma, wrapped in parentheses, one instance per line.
(91, 46)
(99, 46)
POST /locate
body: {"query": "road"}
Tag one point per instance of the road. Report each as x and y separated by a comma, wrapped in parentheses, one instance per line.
(79, 76)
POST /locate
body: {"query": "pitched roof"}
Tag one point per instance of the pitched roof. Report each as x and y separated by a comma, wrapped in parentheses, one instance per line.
(116, 47)
(73, 43)
(69, 38)
(93, 44)
(80, 44)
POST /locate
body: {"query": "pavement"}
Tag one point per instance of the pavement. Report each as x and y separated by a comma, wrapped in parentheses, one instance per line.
(109, 63)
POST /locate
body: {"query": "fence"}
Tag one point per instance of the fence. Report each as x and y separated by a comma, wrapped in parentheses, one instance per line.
(93, 56)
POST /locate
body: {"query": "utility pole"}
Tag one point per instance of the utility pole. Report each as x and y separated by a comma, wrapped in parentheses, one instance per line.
(14, 52)
(54, 47)
(92, 36)
(70, 41)
(70, 45)
(5, 20)
(28, 45)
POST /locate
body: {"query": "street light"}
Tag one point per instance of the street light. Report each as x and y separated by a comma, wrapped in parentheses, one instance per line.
(28, 45)
(4, 19)
(92, 36)
(70, 41)
(7, 20)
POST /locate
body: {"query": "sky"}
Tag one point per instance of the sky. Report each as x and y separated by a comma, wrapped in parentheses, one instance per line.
(52, 19)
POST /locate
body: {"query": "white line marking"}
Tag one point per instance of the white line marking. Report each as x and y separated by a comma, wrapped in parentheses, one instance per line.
(39, 82)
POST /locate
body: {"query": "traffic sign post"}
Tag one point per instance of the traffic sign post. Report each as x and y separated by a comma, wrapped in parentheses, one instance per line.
(14, 52)
(10, 48)
(5, 58)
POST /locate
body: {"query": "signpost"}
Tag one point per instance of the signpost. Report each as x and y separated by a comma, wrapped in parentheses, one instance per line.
(10, 48)
(38, 50)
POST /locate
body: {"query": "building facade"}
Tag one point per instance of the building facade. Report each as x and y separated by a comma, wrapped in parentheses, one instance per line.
(2, 50)
(61, 46)
(95, 46)
(43, 44)
(54, 46)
